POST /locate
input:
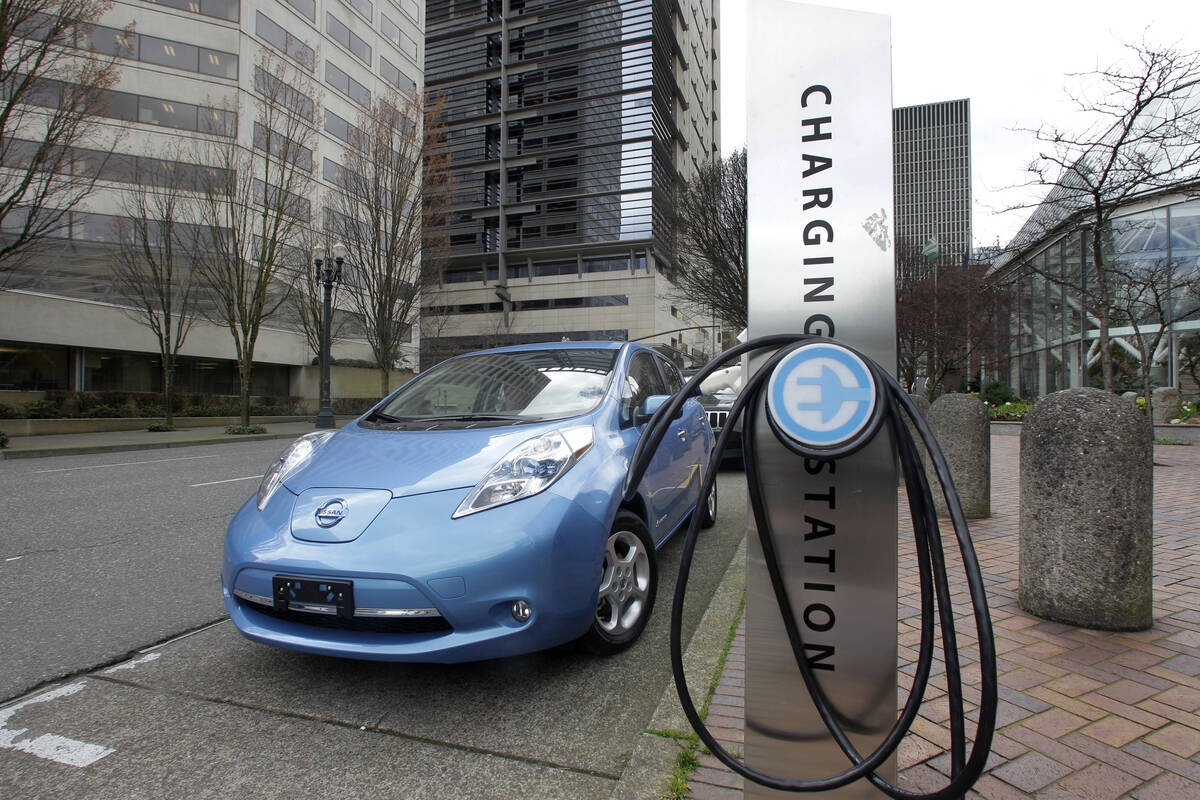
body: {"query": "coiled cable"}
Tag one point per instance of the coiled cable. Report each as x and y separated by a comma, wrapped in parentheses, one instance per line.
(934, 584)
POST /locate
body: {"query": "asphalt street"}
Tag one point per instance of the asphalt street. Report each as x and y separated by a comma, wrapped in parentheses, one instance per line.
(117, 552)
(107, 553)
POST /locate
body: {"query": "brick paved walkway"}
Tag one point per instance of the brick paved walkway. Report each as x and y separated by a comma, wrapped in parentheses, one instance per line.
(1083, 715)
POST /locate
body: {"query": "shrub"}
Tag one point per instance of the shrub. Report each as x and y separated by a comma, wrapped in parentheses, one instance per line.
(242, 430)
(3, 440)
(9, 412)
(159, 427)
(41, 409)
(103, 411)
(1009, 412)
(996, 393)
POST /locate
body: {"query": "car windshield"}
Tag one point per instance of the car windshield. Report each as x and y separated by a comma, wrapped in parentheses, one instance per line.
(517, 386)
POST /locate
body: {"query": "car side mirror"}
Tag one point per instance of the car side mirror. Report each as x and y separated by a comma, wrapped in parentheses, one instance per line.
(649, 407)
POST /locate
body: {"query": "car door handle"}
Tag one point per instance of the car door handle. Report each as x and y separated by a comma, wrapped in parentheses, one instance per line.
(683, 436)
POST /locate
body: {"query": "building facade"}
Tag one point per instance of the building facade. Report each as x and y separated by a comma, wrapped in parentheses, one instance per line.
(932, 157)
(190, 74)
(570, 124)
(1153, 292)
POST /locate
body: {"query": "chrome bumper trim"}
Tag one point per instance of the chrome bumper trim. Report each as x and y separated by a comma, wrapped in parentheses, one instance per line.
(316, 608)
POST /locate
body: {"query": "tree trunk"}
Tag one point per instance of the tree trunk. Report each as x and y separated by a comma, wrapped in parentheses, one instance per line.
(244, 380)
(168, 412)
(385, 381)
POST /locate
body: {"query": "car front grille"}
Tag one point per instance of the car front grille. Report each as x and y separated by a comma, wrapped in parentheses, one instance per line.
(358, 624)
(716, 419)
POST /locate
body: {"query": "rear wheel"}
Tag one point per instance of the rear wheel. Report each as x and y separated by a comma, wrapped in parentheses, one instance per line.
(708, 509)
(628, 584)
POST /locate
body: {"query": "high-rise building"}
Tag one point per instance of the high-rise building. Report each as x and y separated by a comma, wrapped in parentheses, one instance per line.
(570, 124)
(932, 163)
(189, 73)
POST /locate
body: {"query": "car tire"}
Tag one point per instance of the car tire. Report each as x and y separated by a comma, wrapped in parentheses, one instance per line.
(708, 509)
(628, 585)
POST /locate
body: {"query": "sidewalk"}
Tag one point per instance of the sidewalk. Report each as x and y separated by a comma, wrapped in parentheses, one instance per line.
(63, 444)
(1083, 715)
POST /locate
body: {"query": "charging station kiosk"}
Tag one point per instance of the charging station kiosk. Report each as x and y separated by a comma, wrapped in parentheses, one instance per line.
(820, 255)
(824, 422)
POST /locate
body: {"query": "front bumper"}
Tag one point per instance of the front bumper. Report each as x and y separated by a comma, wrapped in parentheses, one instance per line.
(426, 587)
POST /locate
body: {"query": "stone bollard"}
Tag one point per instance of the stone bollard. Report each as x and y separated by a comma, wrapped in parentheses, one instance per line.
(1167, 403)
(962, 426)
(923, 408)
(1087, 516)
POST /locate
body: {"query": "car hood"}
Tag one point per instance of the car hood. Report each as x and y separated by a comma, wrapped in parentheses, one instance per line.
(411, 462)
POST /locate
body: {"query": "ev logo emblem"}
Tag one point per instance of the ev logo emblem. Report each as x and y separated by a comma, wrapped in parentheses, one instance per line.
(821, 395)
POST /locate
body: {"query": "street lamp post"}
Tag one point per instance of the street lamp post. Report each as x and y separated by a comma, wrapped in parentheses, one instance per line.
(329, 272)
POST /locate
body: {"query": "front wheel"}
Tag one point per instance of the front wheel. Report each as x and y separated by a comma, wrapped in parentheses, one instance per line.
(628, 584)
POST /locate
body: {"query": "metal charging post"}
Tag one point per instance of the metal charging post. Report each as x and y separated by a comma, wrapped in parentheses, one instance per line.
(819, 146)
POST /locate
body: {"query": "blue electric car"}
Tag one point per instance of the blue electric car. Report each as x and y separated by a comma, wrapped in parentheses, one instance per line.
(474, 513)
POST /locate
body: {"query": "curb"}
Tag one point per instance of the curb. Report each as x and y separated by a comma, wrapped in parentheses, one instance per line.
(653, 759)
(45, 452)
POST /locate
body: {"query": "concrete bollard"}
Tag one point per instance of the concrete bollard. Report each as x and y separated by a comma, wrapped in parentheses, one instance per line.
(962, 426)
(923, 408)
(1087, 517)
(1167, 404)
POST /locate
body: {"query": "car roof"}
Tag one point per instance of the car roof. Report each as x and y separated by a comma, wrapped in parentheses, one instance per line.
(571, 345)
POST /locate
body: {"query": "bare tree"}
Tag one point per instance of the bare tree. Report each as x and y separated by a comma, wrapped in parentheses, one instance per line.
(255, 212)
(949, 319)
(392, 186)
(51, 97)
(710, 242)
(1146, 138)
(152, 268)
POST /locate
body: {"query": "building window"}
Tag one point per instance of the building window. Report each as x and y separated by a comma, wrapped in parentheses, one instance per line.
(340, 128)
(393, 75)
(347, 38)
(217, 9)
(392, 32)
(274, 34)
(338, 79)
(306, 7)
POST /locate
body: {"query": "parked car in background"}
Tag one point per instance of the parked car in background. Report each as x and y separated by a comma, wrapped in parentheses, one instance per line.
(476, 512)
(718, 393)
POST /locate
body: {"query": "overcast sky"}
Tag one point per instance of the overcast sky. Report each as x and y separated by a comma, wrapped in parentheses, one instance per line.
(1011, 58)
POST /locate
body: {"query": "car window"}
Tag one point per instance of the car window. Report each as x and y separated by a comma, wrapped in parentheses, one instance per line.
(522, 385)
(642, 380)
(674, 379)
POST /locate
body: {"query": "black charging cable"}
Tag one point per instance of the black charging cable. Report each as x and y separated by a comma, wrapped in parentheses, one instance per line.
(934, 585)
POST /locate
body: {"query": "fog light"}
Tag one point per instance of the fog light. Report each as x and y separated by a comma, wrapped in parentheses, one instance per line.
(521, 611)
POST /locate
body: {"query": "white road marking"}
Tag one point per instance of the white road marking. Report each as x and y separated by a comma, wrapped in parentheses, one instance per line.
(230, 480)
(50, 746)
(14, 558)
(134, 663)
(122, 464)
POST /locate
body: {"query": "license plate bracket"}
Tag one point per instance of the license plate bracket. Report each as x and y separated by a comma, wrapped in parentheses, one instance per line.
(314, 595)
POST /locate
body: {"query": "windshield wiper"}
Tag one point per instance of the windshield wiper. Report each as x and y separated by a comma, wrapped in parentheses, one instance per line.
(474, 418)
(379, 416)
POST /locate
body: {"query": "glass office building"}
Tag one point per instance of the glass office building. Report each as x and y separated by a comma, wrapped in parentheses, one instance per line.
(1154, 247)
(931, 151)
(570, 126)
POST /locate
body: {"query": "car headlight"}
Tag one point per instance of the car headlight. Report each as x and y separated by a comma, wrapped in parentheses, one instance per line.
(296, 454)
(528, 468)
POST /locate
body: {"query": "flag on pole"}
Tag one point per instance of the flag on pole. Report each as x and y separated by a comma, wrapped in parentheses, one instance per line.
(931, 248)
